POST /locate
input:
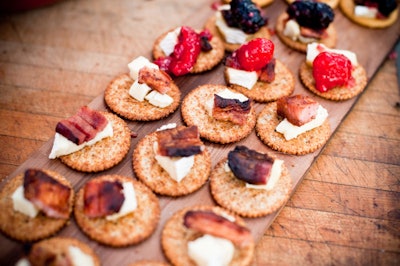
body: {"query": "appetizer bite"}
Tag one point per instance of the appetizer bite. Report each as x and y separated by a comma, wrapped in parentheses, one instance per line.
(207, 235)
(116, 210)
(91, 140)
(60, 251)
(332, 74)
(331, 3)
(147, 93)
(238, 23)
(250, 183)
(221, 114)
(172, 161)
(294, 125)
(305, 22)
(184, 50)
(371, 13)
(254, 71)
(35, 205)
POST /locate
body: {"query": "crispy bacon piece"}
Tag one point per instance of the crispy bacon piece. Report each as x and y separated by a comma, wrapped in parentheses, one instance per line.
(82, 126)
(46, 255)
(267, 73)
(231, 110)
(249, 165)
(102, 198)
(208, 222)
(311, 33)
(156, 79)
(297, 109)
(179, 142)
(47, 194)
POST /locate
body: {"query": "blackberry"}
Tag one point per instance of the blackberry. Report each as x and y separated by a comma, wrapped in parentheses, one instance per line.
(244, 14)
(310, 14)
(386, 7)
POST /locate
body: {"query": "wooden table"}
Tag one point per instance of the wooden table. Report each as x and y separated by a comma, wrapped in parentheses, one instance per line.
(345, 210)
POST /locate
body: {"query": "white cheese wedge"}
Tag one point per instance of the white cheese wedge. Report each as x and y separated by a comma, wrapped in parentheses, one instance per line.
(22, 205)
(242, 78)
(291, 131)
(78, 257)
(167, 44)
(129, 204)
(63, 146)
(158, 99)
(365, 11)
(139, 90)
(230, 34)
(209, 250)
(176, 167)
(276, 172)
(292, 29)
(23, 262)
(314, 49)
(137, 64)
(166, 126)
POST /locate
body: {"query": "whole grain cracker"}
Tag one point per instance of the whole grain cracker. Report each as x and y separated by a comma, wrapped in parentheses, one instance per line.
(308, 142)
(21, 227)
(263, 32)
(337, 93)
(283, 85)
(260, 3)
(194, 113)
(331, 3)
(175, 237)
(103, 154)
(347, 7)
(158, 180)
(117, 98)
(59, 246)
(130, 229)
(329, 41)
(231, 193)
(206, 60)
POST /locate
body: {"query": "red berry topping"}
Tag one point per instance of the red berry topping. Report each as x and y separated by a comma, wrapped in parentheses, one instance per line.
(331, 70)
(252, 56)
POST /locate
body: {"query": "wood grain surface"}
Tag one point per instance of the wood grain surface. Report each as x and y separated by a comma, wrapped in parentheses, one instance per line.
(344, 209)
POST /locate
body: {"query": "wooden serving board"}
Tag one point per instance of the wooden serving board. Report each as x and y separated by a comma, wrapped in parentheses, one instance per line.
(371, 46)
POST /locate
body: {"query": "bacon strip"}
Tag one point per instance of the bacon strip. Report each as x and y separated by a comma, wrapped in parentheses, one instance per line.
(311, 33)
(95, 118)
(156, 79)
(231, 110)
(179, 142)
(208, 222)
(46, 193)
(297, 109)
(102, 198)
(267, 73)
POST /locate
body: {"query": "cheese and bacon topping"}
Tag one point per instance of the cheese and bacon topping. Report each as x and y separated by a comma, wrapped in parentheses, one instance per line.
(156, 79)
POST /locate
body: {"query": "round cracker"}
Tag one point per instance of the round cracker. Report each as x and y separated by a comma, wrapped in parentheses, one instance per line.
(329, 41)
(127, 230)
(59, 248)
(231, 193)
(308, 142)
(175, 237)
(20, 226)
(206, 60)
(260, 3)
(283, 85)
(337, 93)
(105, 153)
(158, 180)
(331, 3)
(117, 98)
(347, 7)
(263, 32)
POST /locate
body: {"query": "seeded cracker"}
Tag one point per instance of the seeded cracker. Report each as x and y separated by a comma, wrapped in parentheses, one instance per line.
(19, 226)
(194, 113)
(347, 7)
(103, 154)
(59, 247)
(119, 101)
(329, 41)
(230, 47)
(127, 230)
(157, 179)
(283, 85)
(307, 142)
(205, 61)
(338, 93)
(175, 237)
